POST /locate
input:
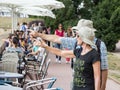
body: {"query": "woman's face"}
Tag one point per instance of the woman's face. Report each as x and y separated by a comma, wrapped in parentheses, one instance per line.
(60, 26)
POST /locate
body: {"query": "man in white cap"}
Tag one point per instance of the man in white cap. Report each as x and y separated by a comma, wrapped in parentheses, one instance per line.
(68, 42)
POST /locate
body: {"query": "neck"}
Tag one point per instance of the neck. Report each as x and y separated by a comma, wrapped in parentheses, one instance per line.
(60, 29)
(85, 48)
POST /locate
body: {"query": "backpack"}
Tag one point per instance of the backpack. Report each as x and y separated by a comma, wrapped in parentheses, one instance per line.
(98, 43)
(10, 55)
(9, 61)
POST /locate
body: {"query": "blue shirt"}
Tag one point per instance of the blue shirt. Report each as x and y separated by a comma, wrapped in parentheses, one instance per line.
(69, 43)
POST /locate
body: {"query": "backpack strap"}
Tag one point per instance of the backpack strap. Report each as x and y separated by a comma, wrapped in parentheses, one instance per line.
(72, 61)
(98, 43)
(75, 46)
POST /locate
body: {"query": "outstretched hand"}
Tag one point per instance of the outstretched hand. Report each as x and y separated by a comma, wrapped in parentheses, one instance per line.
(41, 43)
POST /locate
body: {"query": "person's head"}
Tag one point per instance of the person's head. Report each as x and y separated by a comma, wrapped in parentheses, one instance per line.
(39, 24)
(84, 23)
(85, 35)
(22, 39)
(44, 30)
(10, 37)
(60, 26)
(15, 41)
(69, 28)
(69, 31)
(24, 23)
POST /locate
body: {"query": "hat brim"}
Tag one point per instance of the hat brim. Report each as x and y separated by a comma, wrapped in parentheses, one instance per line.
(75, 28)
(87, 41)
(94, 29)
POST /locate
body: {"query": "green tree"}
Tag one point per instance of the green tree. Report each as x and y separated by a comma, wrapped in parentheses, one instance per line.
(70, 15)
(66, 16)
(106, 18)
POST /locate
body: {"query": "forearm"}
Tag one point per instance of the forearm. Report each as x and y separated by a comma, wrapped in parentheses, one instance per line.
(63, 53)
(104, 74)
(96, 67)
(53, 50)
(97, 83)
(52, 38)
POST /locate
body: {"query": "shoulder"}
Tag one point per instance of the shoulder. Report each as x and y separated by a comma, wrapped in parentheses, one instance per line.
(18, 49)
(77, 52)
(103, 44)
(63, 31)
(95, 55)
(99, 41)
(94, 52)
(10, 49)
(56, 30)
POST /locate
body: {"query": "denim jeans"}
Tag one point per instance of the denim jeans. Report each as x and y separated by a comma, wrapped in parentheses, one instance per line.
(59, 47)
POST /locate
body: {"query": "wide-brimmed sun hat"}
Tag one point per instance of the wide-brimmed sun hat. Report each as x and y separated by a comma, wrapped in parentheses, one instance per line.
(84, 23)
(87, 35)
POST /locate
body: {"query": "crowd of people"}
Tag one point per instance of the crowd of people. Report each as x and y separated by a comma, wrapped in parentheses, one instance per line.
(82, 45)
(78, 43)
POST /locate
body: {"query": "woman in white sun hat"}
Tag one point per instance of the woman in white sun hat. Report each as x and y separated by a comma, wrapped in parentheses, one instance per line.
(87, 63)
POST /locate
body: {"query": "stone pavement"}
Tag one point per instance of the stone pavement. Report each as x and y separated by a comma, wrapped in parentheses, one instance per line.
(63, 73)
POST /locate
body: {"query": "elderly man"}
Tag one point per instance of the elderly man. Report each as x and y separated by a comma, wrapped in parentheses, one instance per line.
(68, 42)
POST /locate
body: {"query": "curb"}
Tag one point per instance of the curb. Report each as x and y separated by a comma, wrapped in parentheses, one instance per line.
(114, 80)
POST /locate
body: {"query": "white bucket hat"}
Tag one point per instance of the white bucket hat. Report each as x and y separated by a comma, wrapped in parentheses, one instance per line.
(84, 23)
(87, 35)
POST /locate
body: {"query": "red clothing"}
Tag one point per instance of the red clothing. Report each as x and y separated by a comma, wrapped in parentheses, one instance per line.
(67, 59)
(59, 33)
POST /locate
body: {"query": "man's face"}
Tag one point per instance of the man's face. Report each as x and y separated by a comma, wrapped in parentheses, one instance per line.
(79, 40)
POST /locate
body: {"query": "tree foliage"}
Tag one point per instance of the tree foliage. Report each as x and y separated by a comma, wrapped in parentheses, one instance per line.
(106, 18)
(104, 13)
(66, 16)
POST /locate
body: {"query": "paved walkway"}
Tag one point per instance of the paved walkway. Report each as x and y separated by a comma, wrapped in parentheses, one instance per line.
(63, 73)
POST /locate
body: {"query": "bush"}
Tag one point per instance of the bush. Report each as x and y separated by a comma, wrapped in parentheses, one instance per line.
(106, 18)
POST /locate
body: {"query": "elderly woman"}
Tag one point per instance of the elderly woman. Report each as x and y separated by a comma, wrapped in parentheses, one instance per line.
(87, 64)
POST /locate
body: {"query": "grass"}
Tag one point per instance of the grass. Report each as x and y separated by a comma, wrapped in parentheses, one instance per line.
(6, 21)
(114, 67)
(113, 61)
